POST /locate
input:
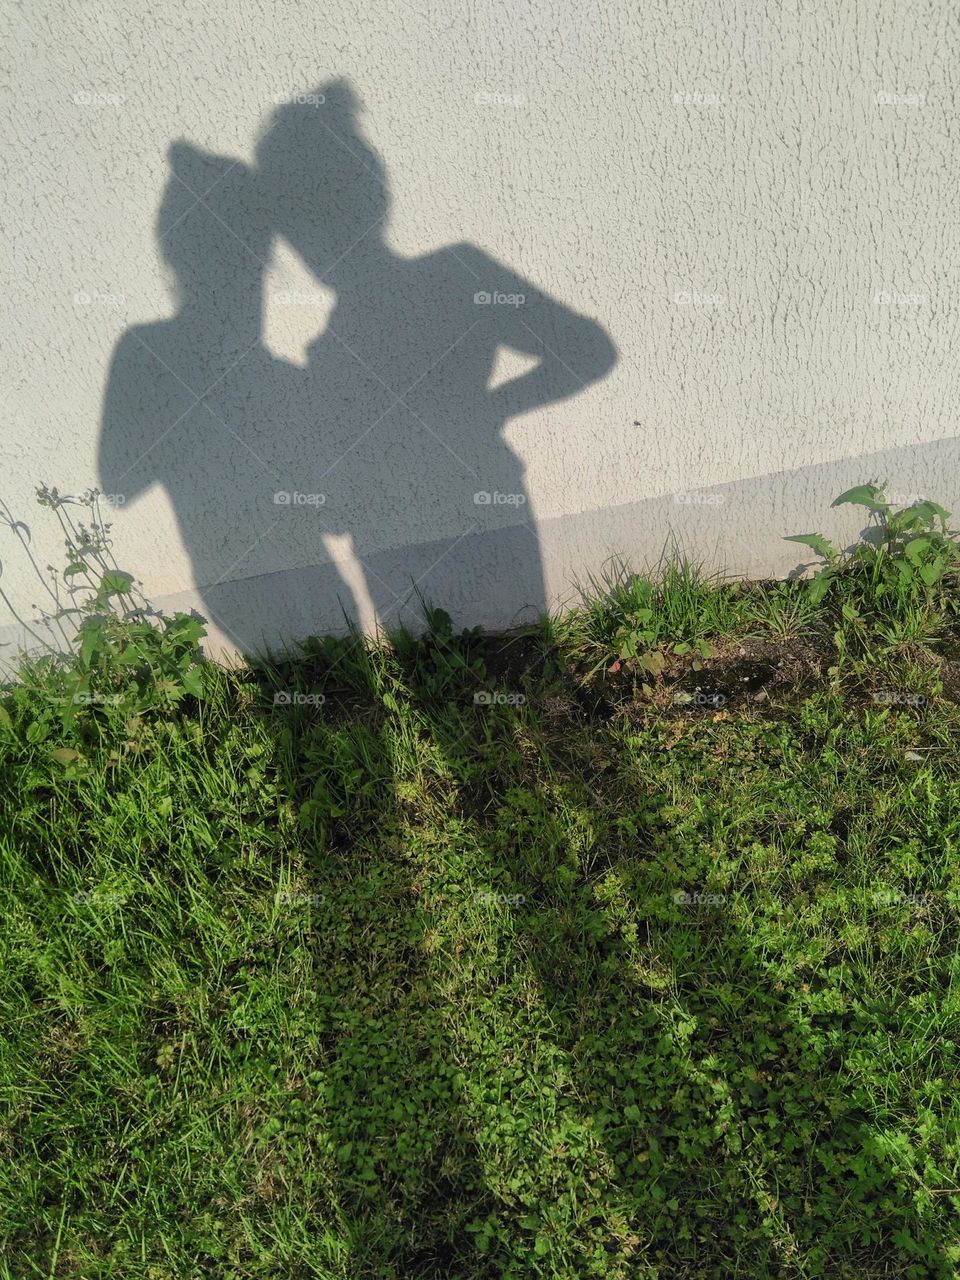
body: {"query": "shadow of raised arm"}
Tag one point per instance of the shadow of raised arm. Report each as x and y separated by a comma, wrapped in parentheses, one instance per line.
(573, 350)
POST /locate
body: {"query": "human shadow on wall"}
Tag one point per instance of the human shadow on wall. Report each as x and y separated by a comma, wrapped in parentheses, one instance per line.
(390, 434)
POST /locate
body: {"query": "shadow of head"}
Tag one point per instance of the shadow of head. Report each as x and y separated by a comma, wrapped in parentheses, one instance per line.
(213, 226)
(325, 186)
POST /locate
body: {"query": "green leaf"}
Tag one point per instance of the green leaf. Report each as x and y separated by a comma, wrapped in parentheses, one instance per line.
(91, 640)
(915, 549)
(192, 681)
(113, 583)
(185, 628)
(929, 511)
(863, 495)
(815, 540)
(440, 622)
(904, 522)
(628, 643)
(819, 585)
(66, 755)
(931, 573)
(77, 567)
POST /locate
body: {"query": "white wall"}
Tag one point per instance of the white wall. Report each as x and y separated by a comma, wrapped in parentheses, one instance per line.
(735, 226)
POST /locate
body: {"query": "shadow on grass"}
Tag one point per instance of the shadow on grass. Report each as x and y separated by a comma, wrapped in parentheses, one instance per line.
(651, 1071)
(419, 962)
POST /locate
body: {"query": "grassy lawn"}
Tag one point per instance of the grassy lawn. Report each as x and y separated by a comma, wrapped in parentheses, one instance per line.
(626, 946)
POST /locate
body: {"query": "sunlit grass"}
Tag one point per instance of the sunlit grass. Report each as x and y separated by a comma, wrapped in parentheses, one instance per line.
(444, 962)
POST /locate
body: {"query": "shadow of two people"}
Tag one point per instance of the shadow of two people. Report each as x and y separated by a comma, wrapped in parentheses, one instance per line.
(390, 435)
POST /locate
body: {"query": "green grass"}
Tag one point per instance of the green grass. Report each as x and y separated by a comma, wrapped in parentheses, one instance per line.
(630, 973)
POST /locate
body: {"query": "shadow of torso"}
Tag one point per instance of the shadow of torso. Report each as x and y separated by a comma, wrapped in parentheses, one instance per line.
(411, 431)
(391, 433)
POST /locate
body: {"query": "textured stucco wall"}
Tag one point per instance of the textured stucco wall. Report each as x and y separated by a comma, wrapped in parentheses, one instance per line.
(734, 227)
